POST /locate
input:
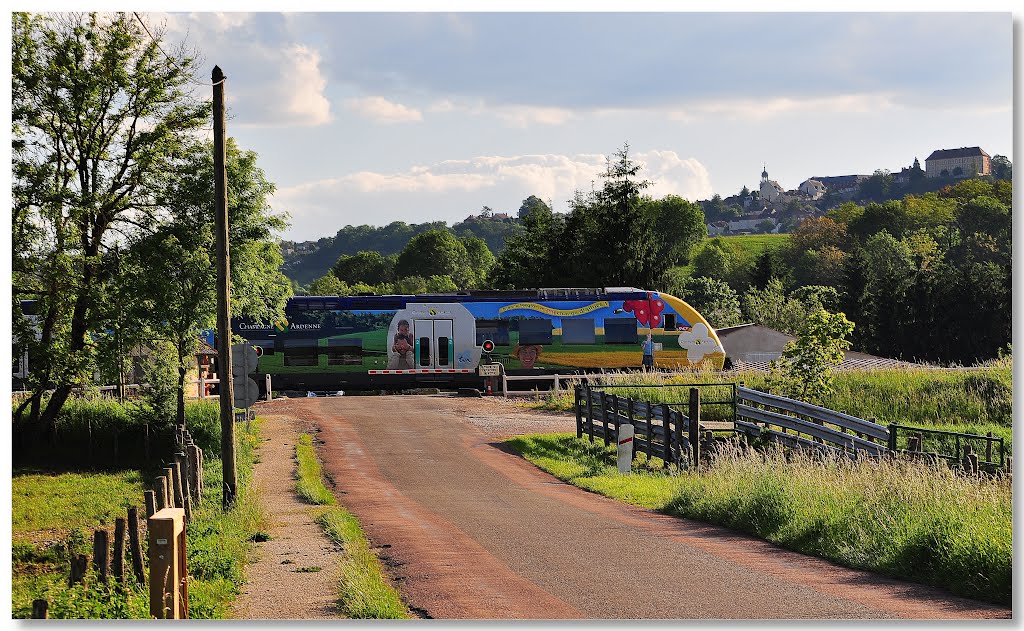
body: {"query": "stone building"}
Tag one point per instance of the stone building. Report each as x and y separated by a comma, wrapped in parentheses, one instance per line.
(962, 162)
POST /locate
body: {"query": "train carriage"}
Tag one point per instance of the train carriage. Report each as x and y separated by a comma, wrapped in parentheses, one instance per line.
(337, 342)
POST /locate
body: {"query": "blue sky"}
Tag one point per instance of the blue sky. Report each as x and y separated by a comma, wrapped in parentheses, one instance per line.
(377, 117)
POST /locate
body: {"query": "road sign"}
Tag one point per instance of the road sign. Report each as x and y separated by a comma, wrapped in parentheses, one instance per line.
(246, 392)
(489, 370)
(243, 360)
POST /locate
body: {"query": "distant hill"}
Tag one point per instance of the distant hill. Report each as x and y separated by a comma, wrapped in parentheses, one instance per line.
(306, 261)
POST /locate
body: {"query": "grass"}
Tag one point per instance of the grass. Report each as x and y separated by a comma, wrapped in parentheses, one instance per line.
(363, 590)
(906, 520)
(52, 516)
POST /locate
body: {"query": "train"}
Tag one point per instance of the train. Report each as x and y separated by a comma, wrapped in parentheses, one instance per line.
(329, 343)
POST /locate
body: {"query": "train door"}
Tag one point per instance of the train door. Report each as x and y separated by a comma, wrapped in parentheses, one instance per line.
(435, 344)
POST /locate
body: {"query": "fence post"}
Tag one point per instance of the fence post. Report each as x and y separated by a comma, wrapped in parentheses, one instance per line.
(988, 448)
(195, 483)
(650, 431)
(79, 563)
(119, 527)
(666, 428)
(892, 437)
(604, 415)
(556, 388)
(39, 607)
(181, 489)
(590, 413)
(270, 396)
(150, 503)
(579, 412)
(171, 497)
(695, 425)
(145, 441)
(101, 554)
(135, 543)
(168, 586)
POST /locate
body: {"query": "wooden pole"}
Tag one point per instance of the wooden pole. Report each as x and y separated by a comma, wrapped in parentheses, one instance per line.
(171, 495)
(79, 563)
(39, 607)
(179, 496)
(101, 554)
(181, 465)
(666, 428)
(135, 543)
(194, 481)
(695, 425)
(227, 392)
(150, 503)
(120, 525)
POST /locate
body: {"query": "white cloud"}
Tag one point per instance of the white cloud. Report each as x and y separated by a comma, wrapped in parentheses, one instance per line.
(379, 109)
(761, 109)
(518, 116)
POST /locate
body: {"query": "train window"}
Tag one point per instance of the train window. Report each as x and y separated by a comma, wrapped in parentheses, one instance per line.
(344, 352)
(620, 331)
(424, 351)
(442, 351)
(300, 352)
(670, 321)
(494, 330)
(578, 331)
(535, 331)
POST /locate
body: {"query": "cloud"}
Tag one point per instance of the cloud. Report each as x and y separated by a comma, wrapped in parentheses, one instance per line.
(518, 116)
(449, 189)
(379, 109)
(761, 109)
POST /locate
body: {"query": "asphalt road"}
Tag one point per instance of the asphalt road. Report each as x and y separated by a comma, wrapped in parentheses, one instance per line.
(469, 530)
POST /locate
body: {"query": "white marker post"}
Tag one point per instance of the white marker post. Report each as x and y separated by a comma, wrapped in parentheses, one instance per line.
(269, 395)
(625, 448)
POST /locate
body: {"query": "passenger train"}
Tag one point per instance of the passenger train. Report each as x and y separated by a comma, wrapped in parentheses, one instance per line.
(327, 343)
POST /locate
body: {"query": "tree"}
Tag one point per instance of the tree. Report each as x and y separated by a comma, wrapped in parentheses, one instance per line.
(744, 191)
(531, 204)
(369, 267)
(805, 368)
(715, 300)
(436, 253)
(771, 307)
(480, 260)
(1002, 168)
(173, 289)
(101, 114)
(816, 233)
(878, 187)
(678, 227)
(529, 259)
(765, 226)
(329, 285)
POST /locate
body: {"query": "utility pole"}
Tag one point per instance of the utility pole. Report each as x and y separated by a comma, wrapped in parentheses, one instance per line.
(227, 391)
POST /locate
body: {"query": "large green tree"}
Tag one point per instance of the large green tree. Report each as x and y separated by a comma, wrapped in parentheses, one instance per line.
(370, 267)
(436, 253)
(101, 114)
(174, 288)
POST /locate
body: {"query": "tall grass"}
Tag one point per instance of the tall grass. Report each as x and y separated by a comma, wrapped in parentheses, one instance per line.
(900, 518)
(363, 590)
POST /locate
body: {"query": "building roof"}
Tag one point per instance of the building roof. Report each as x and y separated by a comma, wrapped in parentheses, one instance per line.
(962, 152)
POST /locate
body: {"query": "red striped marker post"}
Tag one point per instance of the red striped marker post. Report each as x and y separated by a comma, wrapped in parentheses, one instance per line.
(625, 448)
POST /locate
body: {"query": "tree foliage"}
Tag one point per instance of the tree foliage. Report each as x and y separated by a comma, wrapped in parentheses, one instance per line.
(805, 369)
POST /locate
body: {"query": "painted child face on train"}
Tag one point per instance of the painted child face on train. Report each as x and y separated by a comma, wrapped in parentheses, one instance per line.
(528, 355)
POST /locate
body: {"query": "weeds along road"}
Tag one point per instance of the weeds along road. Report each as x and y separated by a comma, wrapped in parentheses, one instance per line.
(468, 530)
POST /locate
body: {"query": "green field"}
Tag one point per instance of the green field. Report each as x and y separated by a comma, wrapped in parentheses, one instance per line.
(750, 245)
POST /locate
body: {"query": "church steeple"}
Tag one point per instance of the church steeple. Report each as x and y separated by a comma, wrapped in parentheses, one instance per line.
(764, 174)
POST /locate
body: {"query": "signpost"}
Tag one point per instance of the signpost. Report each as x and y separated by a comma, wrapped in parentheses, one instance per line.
(625, 451)
(246, 390)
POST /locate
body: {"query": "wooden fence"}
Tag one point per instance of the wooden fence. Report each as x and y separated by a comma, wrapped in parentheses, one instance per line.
(664, 431)
(659, 430)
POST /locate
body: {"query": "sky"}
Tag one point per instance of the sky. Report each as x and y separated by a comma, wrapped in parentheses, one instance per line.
(379, 117)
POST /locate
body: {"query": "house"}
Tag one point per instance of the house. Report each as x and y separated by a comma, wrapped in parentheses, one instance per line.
(770, 190)
(752, 346)
(812, 188)
(962, 162)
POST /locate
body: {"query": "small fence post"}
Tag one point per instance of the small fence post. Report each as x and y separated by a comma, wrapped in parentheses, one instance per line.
(695, 425)
(120, 525)
(79, 564)
(604, 415)
(39, 609)
(892, 437)
(172, 499)
(168, 580)
(666, 428)
(135, 543)
(579, 412)
(101, 554)
(650, 431)
(988, 448)
(195, 483)
(181, 490)
(590, 413)
(150, 503)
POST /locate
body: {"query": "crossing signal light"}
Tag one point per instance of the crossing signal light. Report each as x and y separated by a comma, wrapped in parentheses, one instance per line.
(488, 346)
(259, 351)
